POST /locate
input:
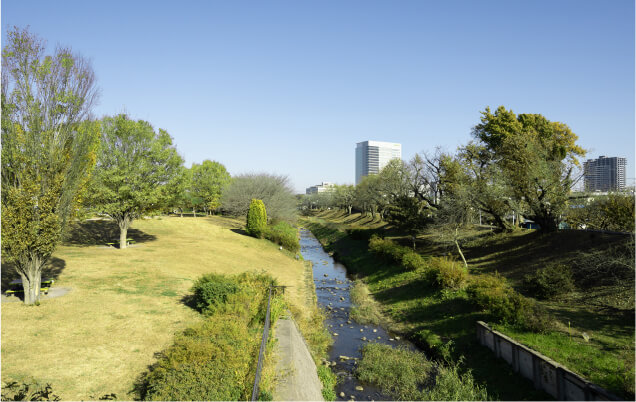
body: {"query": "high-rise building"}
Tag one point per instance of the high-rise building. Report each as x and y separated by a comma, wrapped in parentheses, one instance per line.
(372, 156)
(604, 174)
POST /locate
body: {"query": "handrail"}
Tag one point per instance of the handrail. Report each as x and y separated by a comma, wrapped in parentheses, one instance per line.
(261, 353)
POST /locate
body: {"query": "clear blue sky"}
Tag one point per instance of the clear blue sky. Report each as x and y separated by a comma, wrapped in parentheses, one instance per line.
(289, 87)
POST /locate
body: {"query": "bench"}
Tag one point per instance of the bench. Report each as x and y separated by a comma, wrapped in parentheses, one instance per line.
(15, 286)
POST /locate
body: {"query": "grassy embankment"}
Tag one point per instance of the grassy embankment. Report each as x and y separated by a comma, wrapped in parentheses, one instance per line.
(605, 314)
(126, 305)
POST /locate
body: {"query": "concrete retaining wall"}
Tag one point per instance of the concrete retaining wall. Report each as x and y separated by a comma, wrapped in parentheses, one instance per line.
(546, 374)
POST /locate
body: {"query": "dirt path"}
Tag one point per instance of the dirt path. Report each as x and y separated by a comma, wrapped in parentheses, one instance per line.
(296, 379)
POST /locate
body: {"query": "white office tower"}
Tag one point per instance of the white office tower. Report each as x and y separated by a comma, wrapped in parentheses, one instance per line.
(372, 156)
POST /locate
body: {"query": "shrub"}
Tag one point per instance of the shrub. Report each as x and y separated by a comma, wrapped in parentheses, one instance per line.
(284, 235)
(212, 290)
(493, 293)
(386, 248)
(412, 261)
(448, 273)
(397, 371)
(551, 281)
(450, 385)
(27, 391)
(256, 219)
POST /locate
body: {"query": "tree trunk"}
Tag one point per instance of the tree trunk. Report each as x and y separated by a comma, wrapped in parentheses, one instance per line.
(31, 275)
(460, 250)
(181, 211)
(194, 212)
(124, 224)
(349, 208)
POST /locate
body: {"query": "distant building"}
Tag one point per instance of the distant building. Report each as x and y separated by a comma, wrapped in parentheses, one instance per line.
(321, 188)
(372, 156)
(604, 174)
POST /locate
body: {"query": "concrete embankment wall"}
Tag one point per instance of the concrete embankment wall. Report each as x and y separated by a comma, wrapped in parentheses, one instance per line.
(546, 374)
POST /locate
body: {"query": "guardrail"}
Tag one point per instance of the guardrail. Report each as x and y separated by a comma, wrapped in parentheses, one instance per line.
(261, 352)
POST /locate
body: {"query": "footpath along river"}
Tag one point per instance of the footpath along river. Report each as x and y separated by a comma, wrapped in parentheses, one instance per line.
(332, 290)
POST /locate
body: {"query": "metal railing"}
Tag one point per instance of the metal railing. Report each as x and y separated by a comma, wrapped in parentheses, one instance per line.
(261, 353)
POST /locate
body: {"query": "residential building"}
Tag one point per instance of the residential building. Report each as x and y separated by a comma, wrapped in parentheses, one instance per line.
(321, 188)
(604, 174)
(372, 156)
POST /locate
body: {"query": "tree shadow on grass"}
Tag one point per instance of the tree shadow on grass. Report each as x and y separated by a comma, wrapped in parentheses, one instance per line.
(239, 231)
(51, 270)
(101, 232)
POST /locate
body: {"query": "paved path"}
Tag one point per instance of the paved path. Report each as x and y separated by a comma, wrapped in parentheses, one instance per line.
(296, 378)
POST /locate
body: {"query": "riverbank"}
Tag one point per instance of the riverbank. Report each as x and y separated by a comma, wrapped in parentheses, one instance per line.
(430, 316)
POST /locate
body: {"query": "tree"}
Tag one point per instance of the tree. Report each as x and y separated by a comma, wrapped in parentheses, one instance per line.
(137, 171)
(537, 158)
(345, 196)
(409, 215)
(208, 181)
(612, 212)
(256, 219)
(275, 192)
(48, 150)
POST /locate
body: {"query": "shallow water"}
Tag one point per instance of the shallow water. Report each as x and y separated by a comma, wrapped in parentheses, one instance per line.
(332, 290)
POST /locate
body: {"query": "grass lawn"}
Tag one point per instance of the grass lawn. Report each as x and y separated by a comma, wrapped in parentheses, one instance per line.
(604, 314)
(126, 305)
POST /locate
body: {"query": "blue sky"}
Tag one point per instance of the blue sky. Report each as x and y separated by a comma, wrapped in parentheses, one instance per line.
(289, 87)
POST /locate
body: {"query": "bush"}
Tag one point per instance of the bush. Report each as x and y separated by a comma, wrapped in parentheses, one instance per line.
(412, 261)
(448, 273)
(399, 372)
(256, 219)
(450, 385)
(387, 249)
(212, 290)
(492, 292)
(284, 235)
(214, 360)
(551, 281)
(27, 391)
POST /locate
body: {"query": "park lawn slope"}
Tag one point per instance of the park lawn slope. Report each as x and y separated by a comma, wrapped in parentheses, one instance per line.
(126, 305)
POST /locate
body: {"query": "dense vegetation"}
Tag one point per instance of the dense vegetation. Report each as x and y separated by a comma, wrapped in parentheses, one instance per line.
(215, 360)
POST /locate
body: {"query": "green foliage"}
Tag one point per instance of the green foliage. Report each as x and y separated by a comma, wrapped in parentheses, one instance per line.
(328, 380)
(550, 281)
(448, 273)
(387, 249)
(27, 391)
(493, 293)
(412, 261)
(612, 212)
(212, 290)
(275, 191)
(452, 385)
(536, 156)
(215, 359)
(208, 181)
(48, 149)
(138, 170)
(397, 371)
(285, 235)
(256, 219)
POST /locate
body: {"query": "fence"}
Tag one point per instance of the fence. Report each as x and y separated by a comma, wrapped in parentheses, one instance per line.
(261, 352)
(546, 374)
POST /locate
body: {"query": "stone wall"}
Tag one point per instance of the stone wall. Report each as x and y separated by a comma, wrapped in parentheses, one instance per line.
(546, 374)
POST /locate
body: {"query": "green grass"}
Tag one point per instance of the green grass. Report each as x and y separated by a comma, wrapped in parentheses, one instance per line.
(419, 310)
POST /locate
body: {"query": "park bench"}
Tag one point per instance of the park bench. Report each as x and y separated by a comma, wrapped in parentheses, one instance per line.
(15, 286)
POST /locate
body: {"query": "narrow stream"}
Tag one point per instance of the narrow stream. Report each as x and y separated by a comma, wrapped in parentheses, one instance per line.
(332, 290)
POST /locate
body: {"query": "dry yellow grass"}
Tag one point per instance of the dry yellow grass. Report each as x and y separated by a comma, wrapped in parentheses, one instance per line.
(125, 305)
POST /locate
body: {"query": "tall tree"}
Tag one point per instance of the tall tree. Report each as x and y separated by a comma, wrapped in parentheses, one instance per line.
(48, 149)
(208, 181)
(345, 196)
(537, 157)
(137, 171)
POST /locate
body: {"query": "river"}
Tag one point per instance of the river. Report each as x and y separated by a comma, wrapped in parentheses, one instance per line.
(332, 291)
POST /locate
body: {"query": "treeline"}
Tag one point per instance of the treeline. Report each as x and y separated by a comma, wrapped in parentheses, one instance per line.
(515, 168)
